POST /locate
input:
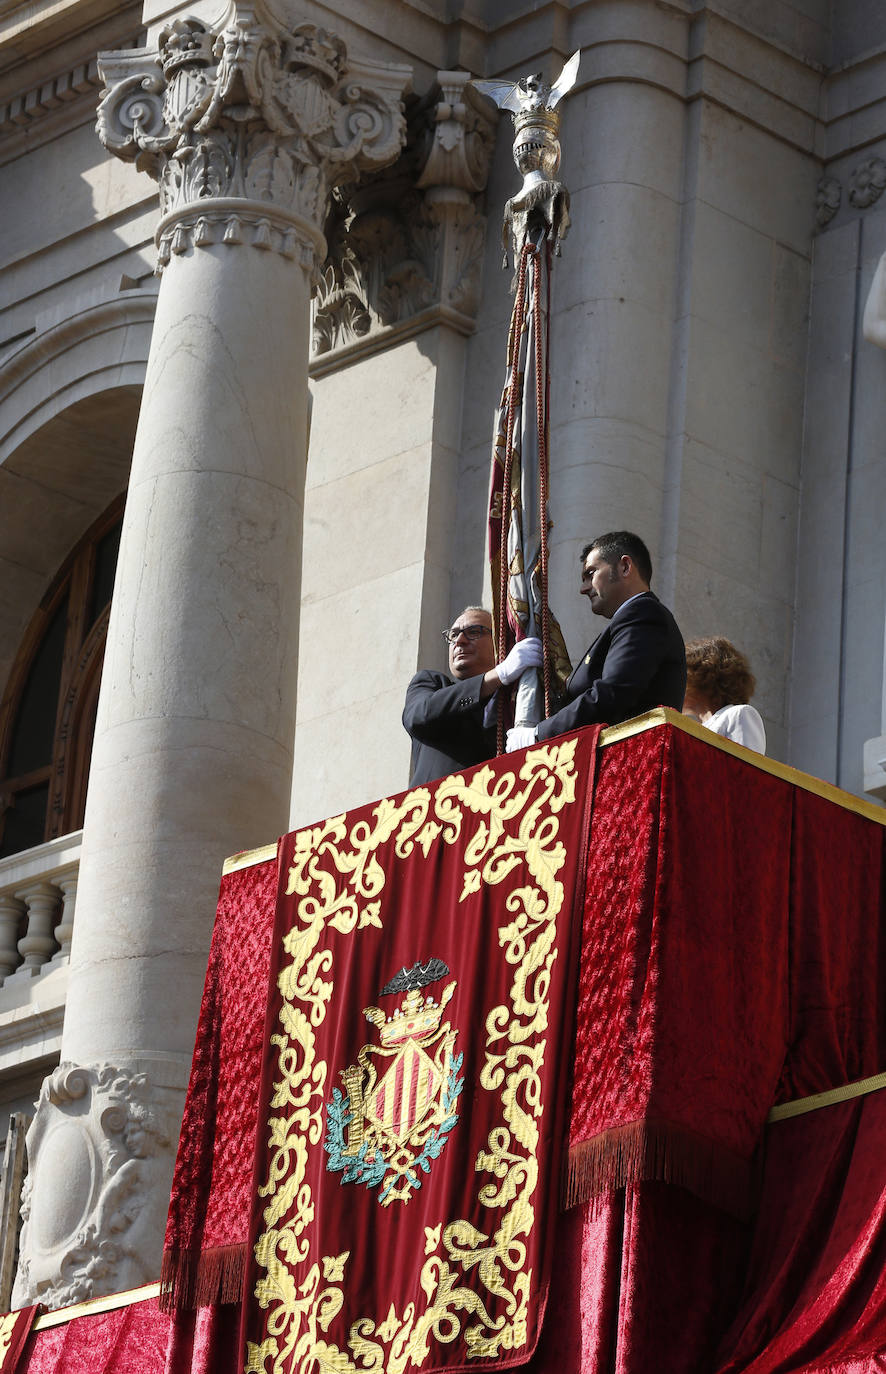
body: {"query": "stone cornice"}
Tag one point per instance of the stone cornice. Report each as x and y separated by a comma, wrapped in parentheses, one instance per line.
(47, 55)
(691, 51)
(854, 106)
(43, 98)
(44, 112)
(24, 109)
(31, 1033)
(708, 51)
(29, 27)
(432, 317)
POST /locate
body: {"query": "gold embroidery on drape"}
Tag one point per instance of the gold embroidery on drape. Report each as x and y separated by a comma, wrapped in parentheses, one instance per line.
(7, 1327)
(337, 878)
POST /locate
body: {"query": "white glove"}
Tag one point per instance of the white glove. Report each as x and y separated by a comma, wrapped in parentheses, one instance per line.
(527, 653)
(520, 737)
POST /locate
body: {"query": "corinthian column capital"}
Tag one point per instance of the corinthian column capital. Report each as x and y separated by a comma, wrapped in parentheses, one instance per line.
(248, 126)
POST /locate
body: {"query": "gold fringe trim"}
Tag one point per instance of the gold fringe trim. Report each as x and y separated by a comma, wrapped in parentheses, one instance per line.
(647, 1150)
(193, 1278)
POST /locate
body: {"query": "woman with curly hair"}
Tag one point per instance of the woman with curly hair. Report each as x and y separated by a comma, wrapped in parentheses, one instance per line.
(719, 683)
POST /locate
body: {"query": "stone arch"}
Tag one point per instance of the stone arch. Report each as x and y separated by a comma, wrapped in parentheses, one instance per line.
(100, 346)
(69, 402)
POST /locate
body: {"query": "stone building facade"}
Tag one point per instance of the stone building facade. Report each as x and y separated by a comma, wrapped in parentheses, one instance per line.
(252, 336)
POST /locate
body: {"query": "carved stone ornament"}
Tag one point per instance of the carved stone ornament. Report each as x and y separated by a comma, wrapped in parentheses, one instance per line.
(248, 126)
(459, 142)
(411, 240)
(828, 196)
(105, 1132)
(867, 183)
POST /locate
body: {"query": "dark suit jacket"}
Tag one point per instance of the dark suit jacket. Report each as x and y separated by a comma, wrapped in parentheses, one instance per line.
(638, 662)
(445, 720)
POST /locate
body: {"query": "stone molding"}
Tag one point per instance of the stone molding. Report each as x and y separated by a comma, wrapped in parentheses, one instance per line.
(853, 105)
(24, 109)
(875, 767)
(110, 1133)
(407, 248)
(57, 102)
(233, 222)
(253, 112)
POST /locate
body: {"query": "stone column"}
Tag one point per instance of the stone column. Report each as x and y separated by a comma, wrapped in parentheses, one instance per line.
(247, 127)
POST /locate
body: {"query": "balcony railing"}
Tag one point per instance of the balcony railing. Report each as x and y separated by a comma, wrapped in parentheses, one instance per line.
(38, 889)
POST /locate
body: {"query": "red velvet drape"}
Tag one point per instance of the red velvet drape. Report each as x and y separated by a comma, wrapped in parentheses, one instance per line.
(455, 1093)
(203, 1259)
(837, 967)
(733, 957)
(126, 1340)
(815, 1293)
(683, 998)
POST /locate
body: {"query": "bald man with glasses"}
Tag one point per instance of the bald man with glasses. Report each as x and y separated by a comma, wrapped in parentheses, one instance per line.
(445, 714)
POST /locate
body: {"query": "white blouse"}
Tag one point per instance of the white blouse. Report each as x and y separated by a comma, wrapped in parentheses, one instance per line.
(741, 723)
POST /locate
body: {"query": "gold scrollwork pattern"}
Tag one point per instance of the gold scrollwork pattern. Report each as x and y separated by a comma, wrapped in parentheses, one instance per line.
(7, 1328)
(510, 824)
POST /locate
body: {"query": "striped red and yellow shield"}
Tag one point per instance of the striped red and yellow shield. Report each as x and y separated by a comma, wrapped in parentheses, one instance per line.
(405, 1094)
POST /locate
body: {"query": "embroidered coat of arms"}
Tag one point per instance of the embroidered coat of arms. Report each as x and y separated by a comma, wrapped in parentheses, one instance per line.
(401, 1096)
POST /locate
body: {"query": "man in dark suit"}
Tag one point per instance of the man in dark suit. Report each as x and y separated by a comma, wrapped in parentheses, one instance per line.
(445, 714)
(638, 662)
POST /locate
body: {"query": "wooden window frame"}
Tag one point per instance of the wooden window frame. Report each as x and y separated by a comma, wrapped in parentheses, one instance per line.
(82, 659)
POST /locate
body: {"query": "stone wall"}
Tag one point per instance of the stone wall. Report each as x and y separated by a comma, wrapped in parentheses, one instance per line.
(693, 147)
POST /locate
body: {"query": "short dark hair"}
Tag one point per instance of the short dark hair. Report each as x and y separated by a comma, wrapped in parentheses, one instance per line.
(611, 546)
(719, 672)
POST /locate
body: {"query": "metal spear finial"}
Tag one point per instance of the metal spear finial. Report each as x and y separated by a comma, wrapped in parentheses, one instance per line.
(536, 153)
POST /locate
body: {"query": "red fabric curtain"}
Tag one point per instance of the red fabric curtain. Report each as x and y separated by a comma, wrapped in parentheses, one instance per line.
(837, 966)
(203, 1259)
(732, 957)
(127, 1340)
(205, 1341)
(137, 1339)
(683, 996)
(815, 1295)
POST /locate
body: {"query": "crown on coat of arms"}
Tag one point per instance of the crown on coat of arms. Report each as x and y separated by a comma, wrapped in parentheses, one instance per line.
(413, 1019)
(185, 43)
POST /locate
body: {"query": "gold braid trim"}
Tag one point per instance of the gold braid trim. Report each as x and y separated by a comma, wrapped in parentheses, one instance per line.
(801, 1105)
(338, 879)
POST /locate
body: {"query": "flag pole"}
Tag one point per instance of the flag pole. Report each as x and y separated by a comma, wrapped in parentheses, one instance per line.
(536, 220)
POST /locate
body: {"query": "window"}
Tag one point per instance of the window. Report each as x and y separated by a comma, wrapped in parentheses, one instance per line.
(47, 715)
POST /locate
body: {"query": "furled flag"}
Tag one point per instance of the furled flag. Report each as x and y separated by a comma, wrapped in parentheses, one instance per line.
(535, 221)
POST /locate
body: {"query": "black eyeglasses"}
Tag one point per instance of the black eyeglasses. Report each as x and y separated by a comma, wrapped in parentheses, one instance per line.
(469, 632)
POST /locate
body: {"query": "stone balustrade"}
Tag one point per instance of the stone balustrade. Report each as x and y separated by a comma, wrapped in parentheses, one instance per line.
(38, 890)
